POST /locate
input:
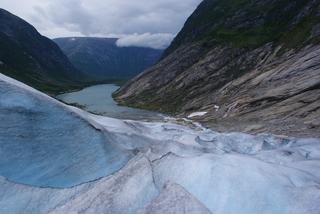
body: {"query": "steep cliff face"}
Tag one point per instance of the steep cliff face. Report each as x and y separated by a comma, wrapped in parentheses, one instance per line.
(251, 65)
(101, 58)
(32, 58)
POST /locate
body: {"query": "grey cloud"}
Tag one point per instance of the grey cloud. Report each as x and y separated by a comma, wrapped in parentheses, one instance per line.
(70, 14)
(137, 19)
(156, 41)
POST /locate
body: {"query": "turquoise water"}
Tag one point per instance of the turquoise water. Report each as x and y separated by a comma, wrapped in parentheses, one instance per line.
(98, 100)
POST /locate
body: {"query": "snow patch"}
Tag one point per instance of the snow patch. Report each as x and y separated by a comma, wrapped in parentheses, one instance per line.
(197, 114)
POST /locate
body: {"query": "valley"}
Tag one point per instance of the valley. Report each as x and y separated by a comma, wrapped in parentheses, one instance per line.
(215, 113)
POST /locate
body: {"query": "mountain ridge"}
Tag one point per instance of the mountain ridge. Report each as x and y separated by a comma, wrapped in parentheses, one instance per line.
(101, 58)
(34, 59)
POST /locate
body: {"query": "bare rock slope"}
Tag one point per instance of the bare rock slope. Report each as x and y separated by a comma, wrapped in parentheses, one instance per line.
(255, 68)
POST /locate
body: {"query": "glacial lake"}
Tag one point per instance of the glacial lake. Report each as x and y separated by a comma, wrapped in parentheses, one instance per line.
(98, 100)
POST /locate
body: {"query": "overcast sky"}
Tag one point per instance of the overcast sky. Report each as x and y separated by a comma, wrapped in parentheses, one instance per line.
(151, 23)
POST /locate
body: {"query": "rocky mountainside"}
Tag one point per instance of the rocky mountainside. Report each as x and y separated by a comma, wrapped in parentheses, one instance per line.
(32, 58)
(249, 65)
(101, 58)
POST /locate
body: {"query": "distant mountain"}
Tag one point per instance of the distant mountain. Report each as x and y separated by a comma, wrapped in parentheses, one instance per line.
(32, 58)
(251, 65)
(102, 59)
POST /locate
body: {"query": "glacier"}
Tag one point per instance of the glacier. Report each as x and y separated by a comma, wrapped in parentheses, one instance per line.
(38, 140)
(55, 158)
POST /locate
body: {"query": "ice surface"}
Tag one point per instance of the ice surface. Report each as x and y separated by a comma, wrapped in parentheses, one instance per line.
(174, 199)
(124, 192)
(46, 143)
(42, 144)
(240, 184)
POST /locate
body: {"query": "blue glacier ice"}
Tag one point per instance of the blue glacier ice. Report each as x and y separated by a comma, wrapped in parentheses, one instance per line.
(42, 144)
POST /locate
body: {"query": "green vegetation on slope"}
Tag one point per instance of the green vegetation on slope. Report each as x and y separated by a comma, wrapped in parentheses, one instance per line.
(249, 24)
(33, 59)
